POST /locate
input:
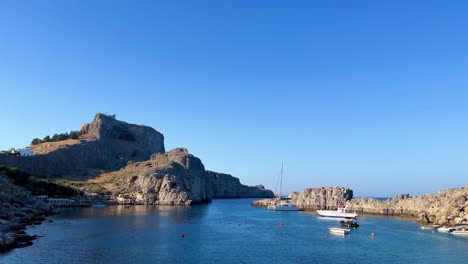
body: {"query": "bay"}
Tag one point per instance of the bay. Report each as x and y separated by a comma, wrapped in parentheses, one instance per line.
(229, 231)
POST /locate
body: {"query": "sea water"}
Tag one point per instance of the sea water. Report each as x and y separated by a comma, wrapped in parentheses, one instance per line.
(229, 231)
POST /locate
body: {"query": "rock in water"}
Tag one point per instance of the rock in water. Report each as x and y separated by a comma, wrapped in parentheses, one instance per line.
(325, 198)
(315, 198)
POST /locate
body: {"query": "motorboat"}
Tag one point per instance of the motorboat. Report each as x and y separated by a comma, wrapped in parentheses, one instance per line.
(461, 230)
(349, 223)
(341, 212)
(430, 227)
(337, 230)
(445, 229)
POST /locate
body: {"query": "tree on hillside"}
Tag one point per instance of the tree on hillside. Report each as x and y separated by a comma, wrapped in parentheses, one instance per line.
(74, 135)
(36, 141)
(46, 139)
(54, 138)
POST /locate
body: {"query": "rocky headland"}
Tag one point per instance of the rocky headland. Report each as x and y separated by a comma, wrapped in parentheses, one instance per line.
(129, 162)
(173, 178)
(18, 209)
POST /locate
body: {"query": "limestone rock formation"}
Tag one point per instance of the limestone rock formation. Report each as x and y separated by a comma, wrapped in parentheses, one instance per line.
(107, 144)
(448, 207)
(324, 198)
(226, 186)
(312, 199)
(173, 178)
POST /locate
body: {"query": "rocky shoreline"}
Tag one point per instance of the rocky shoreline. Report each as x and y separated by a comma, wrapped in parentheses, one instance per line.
(18, 209)
(448, 207)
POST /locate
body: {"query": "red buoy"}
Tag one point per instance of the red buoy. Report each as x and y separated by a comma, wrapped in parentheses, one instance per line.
(281, 224)
(183, 235)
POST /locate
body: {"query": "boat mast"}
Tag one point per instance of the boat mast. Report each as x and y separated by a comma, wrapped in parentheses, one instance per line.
(281, 180)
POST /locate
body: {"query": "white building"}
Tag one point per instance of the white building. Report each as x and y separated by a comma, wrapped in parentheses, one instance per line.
(26, 152)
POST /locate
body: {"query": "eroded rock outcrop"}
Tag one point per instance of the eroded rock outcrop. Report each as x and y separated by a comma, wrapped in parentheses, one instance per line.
(312, 199)
(173, 178)
(106, 144)
(448, 207)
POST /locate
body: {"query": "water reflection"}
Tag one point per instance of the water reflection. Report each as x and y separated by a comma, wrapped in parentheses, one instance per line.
(176, 213)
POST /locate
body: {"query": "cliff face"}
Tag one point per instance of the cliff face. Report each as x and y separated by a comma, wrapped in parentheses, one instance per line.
(446, 207)
(107, 144)
(227, 186)
(312, 199)
(173, 178)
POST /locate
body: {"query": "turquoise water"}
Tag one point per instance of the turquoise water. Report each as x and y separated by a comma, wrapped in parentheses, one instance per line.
(229, 231)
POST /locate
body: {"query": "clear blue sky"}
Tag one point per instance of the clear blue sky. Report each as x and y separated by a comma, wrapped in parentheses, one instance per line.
(372, 95)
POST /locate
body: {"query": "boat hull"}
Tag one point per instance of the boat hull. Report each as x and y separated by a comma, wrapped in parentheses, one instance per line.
(445, 229)
(429, 227)
(460, 233)
(341, 231)
(335, 214)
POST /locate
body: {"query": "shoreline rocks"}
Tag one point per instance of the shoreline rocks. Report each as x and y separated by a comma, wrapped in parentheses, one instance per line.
(447, 207)
(18, 209)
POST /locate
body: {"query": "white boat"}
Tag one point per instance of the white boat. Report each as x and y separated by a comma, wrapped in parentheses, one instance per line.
(284, 205)
(337, 230)
(430, 227)
(445, 229)
(461, 230)
(340, 213)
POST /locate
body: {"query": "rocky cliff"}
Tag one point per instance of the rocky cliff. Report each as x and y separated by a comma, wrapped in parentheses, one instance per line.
(173, 178)
(312, 199)
(106, 144)
(226, 186)
(447, 207)
(18, 208)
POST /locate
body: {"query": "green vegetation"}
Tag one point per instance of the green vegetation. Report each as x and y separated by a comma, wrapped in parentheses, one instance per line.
(37, 186)
(57, 137)
(86, 186)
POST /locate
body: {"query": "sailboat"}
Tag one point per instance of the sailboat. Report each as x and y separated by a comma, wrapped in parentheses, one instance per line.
(283, 204)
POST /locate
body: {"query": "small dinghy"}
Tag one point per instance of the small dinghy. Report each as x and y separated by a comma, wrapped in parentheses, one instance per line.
(337, 230)
(349, 223)
(445, 229)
